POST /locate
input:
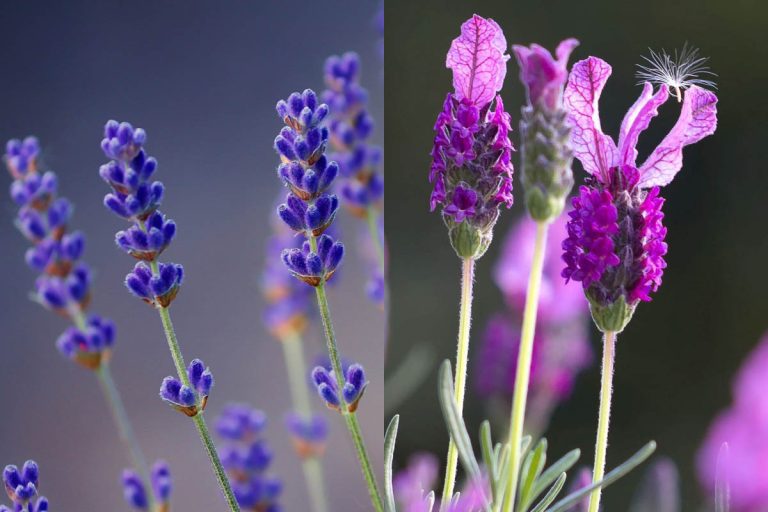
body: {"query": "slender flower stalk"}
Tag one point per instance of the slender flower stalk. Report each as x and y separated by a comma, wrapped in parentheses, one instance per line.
(471, 171)
(136, 198)
(547, 181)
(286, 317)
(615, 245)
(64, 286)
(309, 211)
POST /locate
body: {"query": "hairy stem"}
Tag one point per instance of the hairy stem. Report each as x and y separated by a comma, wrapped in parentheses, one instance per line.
(350, 419)
(296, 368)
(523, 372)
(202, 428)
(460, 381)
(606, 389)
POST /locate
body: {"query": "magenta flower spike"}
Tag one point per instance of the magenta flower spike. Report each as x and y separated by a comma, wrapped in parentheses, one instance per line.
(471, 169)
(544, 130)
(615, 245)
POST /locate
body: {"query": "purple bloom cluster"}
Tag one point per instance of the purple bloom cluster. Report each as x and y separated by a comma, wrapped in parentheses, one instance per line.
(351, 392)
(189, 399)
(308, 433)
(135, 492)
(471, 158)
(615, 245)
(744, 426)
(64, 282)
(561, 347)
(136, 198)
(21, 486)
(246, 458)
(351, 127)
(307, 173)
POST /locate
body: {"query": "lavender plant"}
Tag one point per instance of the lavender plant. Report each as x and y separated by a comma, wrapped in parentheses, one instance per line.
(64, 287)
(286, 317)
(309, 210)
(136, 198)
(21, 486)
(615, 245)
(471, 171)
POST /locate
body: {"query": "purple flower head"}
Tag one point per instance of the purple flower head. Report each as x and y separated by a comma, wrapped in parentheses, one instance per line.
(744, 426)
(37, 225)
(22, 488)
(135, 493)
(246, 458)
(313, 267)
(159, 289)
(56, 257)
(351, 393)
(308, 434)
(544, 76)
(478, 61)
(90, 347)
(310, 219)
(189, 399)
(21, 156)
(35, 190)
(305, 181)
(302, 112)
(64, 295)
(149, 241)
(472, 150)
(615, 243)
(134, 196)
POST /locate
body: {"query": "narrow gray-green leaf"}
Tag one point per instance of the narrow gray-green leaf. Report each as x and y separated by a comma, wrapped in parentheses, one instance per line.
(628, 465)
(532, 468)
(455, 422)
(489, 457)
(562, 465)
(551, 494)
(389, 453)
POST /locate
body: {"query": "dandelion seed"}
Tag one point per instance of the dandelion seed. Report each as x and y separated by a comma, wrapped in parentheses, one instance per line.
(677, 71)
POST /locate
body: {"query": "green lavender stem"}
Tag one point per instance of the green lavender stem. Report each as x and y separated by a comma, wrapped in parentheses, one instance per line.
(373, 228)
(349, 418)
(523, 374)
(199, 420)
(460, 381)
(606, 389)
(296, 368)
(119, 414)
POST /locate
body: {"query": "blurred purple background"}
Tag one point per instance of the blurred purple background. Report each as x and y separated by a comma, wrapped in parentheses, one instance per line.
(203, 81)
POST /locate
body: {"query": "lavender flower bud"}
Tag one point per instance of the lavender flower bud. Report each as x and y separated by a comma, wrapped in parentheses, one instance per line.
(21, 486)
(192, 399)
(148, 243)
(156, 290)
(311, 267)
(308, 434)
(21, 156)
(351, 392)
(133, 490)
(310, 219)
(90, 348)
(135, 493)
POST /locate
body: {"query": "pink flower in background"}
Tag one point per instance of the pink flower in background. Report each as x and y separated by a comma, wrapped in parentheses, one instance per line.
(544, 76)
(744, 426)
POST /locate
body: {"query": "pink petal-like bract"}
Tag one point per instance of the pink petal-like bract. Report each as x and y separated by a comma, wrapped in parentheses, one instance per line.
(542, 75)
(637, 119)
(478, 61)
(596, 151)
(698, 118)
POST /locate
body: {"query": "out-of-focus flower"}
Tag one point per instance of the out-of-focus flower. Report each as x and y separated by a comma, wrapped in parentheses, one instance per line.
(135, 492)
(21, 486)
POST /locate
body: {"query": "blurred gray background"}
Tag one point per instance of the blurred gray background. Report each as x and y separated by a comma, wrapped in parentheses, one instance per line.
(202, 78)
(677, 357)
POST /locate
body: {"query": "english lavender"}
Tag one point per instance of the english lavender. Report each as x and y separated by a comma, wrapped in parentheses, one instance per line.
(247, 457)
(471, 170)
(21, 486)
(547, 180)
(351, 126)
(286, 317)
(136, 197)
(64, 282)
(161, 486)
(307, 173)
(615, 245)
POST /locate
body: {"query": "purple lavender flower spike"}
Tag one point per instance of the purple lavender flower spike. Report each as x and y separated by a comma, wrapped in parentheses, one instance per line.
(314, 268)
(192, 399)
(246, 457)
(615, 245)
(472, 151)
(308, 434)
(34, 190)
(312, 219)
(351, 392)
(545, 134)
(147, 244)
(21, 486)
(64, 295)
(90, 348)
(21, 156)
(135, 492)
(156, 290)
